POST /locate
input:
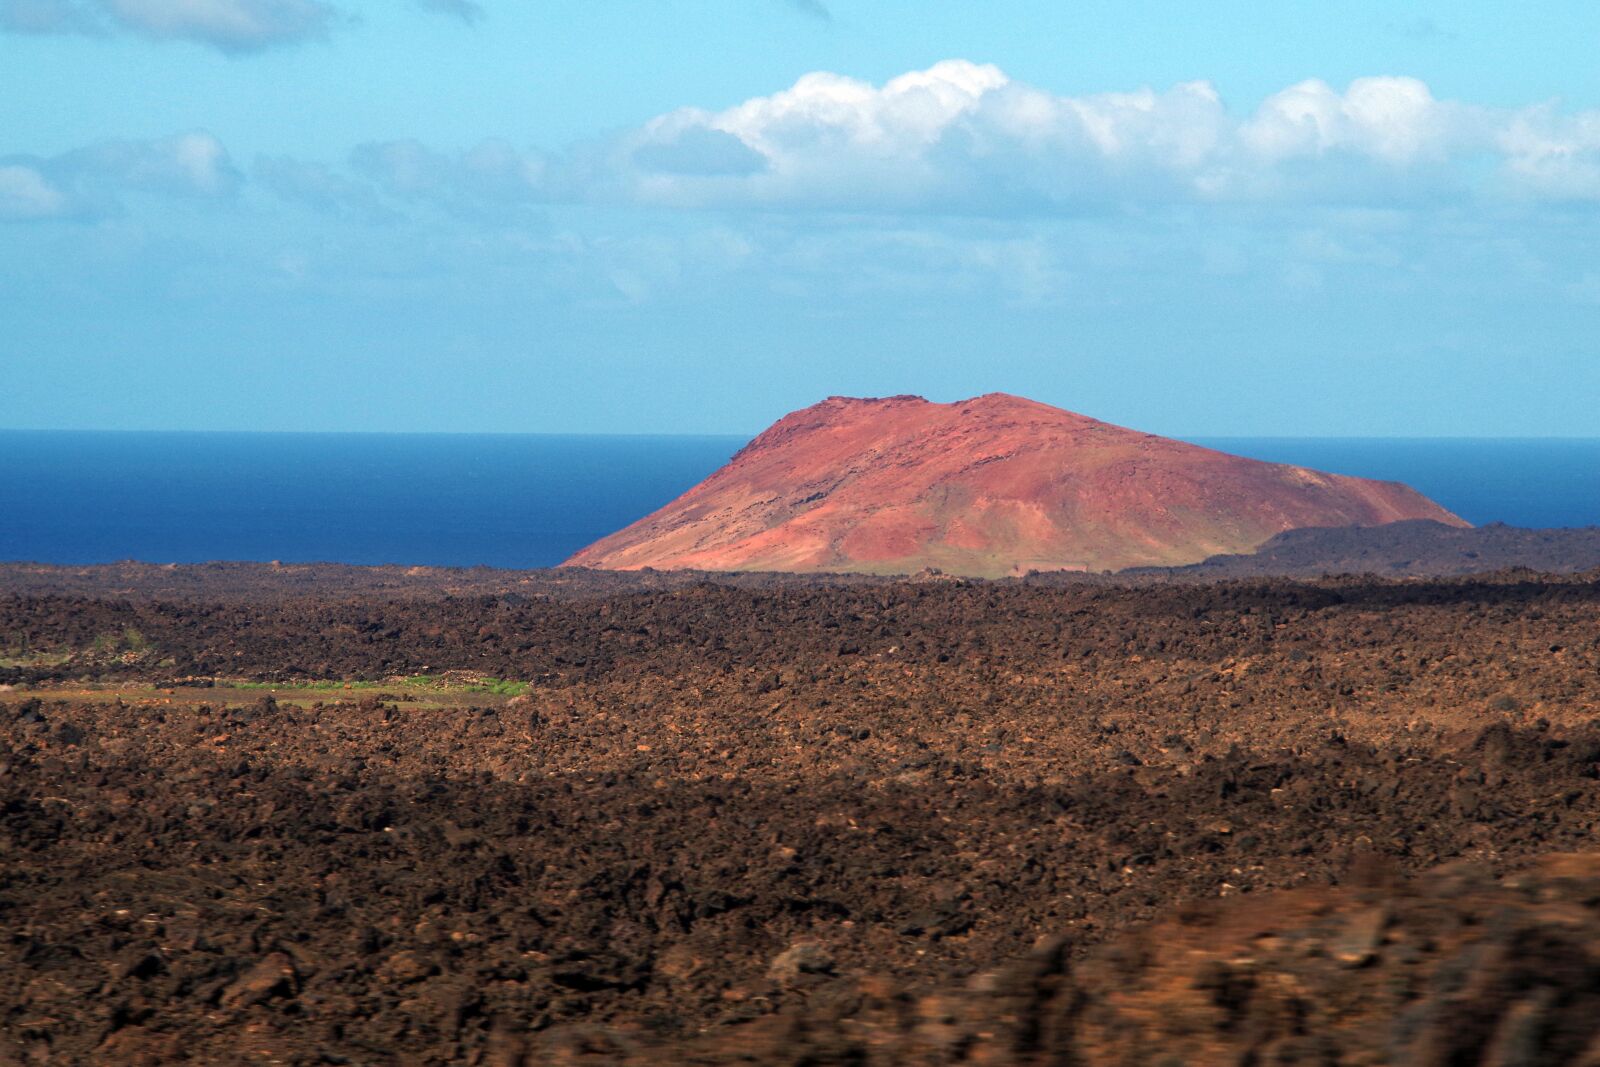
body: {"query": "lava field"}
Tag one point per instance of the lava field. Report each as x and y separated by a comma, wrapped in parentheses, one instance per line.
(1345, 821)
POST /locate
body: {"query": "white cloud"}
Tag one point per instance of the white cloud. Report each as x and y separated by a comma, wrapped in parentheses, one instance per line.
(1552, 155)
(1394, 120)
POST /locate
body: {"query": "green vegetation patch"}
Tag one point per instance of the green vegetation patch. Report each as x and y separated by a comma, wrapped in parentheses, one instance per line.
(129, 640)
(21, 657)
(430, 682)
(500, 686)
(320, 686)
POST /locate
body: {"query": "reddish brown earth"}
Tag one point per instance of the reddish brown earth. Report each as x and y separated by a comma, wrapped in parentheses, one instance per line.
(986, 487)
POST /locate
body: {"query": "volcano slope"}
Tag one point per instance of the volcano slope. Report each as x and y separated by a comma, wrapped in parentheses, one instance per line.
(887, 822)
(992, 486)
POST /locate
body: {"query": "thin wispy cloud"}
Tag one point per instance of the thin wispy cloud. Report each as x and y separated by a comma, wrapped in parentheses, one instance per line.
(231, 26)
(481, 182)
(815, 8)
(320, 187)
(50, 17)
(468, 11)
(92, 181)
(25, 193)
(235, 27)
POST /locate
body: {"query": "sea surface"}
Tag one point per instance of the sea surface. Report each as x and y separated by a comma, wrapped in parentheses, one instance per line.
(530, 500)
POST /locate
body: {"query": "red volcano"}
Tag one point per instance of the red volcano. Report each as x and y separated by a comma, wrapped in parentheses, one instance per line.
(991, 486)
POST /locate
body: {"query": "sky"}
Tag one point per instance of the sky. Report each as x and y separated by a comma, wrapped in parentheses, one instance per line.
(1342, 218)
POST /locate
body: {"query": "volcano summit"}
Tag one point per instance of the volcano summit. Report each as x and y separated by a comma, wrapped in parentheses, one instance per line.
(992, 486)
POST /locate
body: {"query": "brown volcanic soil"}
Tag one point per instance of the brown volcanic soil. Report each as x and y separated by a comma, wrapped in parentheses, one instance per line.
(992, 486)
(772, 822)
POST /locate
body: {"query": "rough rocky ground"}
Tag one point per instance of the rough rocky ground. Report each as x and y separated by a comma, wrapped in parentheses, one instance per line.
(1453, 967)
(876, 823)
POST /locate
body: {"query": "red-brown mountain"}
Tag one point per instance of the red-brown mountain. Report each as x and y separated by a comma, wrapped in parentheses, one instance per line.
(991, 486)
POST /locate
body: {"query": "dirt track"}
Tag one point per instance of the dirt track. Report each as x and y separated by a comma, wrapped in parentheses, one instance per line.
(722, 812)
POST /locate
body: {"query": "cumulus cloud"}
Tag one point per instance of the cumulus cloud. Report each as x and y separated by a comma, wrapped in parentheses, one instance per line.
(963, 136)
(1548, 154)
(92, 180)
(957, 138)
(1395, 120)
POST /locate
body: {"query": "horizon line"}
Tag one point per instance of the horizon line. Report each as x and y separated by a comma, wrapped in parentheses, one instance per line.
(750, 435)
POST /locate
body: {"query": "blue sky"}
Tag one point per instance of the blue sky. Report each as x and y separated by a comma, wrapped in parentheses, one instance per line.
(694, 215)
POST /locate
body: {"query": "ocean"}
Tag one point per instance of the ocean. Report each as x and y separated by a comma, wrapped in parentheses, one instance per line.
(531, 500)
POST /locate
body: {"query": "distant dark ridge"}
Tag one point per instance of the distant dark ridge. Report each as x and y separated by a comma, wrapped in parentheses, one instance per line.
(1414, 548)
(240, 581)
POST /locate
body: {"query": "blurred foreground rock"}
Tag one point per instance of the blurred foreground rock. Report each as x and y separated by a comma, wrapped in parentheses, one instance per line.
(1451, 968)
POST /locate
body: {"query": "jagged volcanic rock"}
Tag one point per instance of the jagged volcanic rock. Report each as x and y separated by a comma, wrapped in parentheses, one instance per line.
(991, 486)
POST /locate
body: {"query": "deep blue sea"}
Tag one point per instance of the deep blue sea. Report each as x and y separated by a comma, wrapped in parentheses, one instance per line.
(531, 500)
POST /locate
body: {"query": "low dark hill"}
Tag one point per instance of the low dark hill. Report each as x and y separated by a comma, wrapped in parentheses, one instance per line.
(1415, 548)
